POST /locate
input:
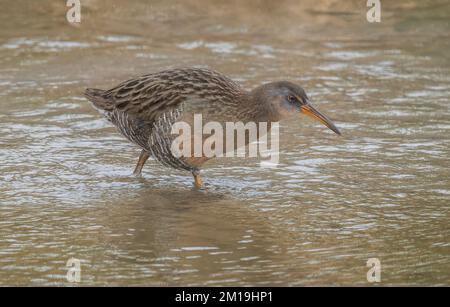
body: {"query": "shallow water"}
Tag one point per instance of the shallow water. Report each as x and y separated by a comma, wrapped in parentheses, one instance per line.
(381, 190)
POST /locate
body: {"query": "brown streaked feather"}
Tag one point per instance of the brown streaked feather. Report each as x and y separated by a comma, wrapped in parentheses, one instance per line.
(144, 108)
(150, 95)
(98, 99)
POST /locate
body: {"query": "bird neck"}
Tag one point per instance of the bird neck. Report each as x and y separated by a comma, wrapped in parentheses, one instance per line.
(259, 109)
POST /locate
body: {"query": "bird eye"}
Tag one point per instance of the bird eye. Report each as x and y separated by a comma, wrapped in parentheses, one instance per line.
(291, 99)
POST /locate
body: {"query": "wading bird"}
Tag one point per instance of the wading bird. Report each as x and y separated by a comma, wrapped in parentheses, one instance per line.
(145, 108)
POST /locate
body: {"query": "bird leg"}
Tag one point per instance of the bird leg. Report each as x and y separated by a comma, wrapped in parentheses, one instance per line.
(198, 182)
(142, 159)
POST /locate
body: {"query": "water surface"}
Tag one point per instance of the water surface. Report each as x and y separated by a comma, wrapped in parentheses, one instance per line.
(381, 190)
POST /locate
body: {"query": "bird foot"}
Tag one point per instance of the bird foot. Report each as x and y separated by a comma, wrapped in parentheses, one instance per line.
(142, 159)
(137, 174)
(198, 182)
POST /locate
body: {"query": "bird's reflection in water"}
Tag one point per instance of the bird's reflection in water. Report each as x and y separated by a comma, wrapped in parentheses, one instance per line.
(172, 234)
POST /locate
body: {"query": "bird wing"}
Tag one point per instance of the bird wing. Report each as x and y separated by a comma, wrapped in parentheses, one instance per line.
(152, 95)
(137, 106)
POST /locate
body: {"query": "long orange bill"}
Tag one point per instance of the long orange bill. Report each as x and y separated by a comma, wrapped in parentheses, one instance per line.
(309, 110)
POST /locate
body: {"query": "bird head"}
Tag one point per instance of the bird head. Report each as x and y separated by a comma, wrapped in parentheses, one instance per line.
(285, 99)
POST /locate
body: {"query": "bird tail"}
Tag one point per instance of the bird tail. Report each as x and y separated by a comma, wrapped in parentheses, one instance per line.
(98, 99)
